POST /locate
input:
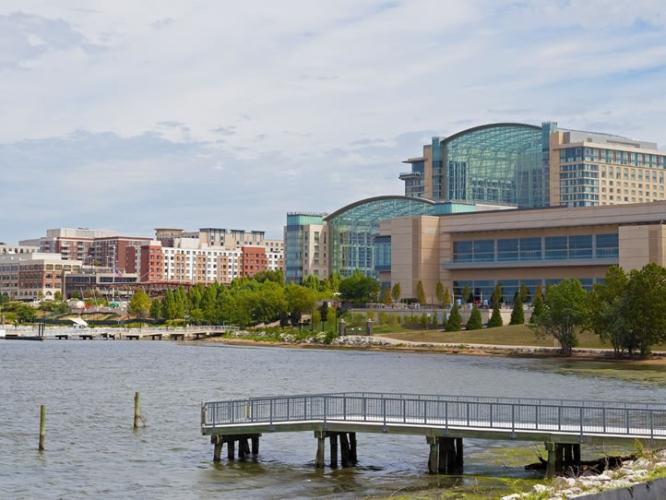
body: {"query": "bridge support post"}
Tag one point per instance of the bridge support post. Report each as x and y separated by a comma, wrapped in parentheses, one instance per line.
(352, 448)
(450, 455)
(231, 445)
(550, 466)
(243, 447)
(333, 445)
(217, 447)
(344, 449)
(433, 459)
(255, 445)
(576, 458)
(320, 436)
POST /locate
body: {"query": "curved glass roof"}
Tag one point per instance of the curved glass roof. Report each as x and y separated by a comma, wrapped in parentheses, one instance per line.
(352, 229)
(497, 163)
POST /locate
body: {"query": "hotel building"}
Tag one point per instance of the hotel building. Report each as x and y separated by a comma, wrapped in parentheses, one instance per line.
(536, 166)
(501, 203)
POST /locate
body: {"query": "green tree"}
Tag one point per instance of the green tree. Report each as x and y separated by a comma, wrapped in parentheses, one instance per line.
(395, 292)
(57, 295)
(606, 308)
(466, 293)
(474, 322)
(496, 298)
(643, 309)
(565, 313)
(420, 293)
(454, 322)
(25, 313)
(156, 309)
(386, 296)
(359, 289)
(446, 301)
(537, 305)
(495, 318)
(439, 293)
(197, 316)
(517, 313)
(300, 300)
(139, 304)
(313, 282)
(524, 293)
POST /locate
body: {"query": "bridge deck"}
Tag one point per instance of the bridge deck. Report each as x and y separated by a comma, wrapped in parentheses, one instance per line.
(563, 421)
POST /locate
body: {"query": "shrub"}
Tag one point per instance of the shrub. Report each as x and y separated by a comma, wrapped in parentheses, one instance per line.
(495, 318)
(454, 323)
(474, 322)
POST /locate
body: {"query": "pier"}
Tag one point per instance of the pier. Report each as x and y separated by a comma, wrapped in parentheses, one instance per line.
(445, 421)
(106, 333)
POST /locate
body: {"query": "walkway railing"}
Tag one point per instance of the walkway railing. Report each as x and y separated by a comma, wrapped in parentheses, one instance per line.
(640, 419)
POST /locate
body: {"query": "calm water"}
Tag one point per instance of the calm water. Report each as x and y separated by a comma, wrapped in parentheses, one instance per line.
(93, 452)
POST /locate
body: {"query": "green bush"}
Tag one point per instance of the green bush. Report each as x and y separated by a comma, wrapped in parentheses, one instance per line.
(517, 313)
(495, 318)
(454, 323)
(474, 322)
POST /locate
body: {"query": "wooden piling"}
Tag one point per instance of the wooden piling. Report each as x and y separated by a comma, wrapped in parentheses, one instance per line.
(137, 410)
(217, 447)
(550, 467)
(321, 444)
(243, 447)
(231, 444)
(42, 427)
(433, 459)
(255, 445)
(353, 457)
(333, 442)
(344, 449)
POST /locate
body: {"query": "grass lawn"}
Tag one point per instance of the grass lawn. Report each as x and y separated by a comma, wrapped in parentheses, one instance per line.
(503, 335)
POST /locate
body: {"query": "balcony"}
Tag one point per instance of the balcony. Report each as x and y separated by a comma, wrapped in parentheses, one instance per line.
(409, 175)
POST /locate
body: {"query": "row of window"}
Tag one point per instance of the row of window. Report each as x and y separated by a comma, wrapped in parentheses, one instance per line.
(537, 248)
(482, 290)
(612, 156)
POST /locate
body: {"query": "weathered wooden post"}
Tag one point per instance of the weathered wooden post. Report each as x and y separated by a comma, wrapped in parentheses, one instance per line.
(42, 427)
(550, 467)
(344, 449)
(368, 327)
(352, 448)
(433, 459)
(460, 461)
(137, 410)
(255, 444)
(231, 444)
(333, 442)
(217, 447)
(321, 444)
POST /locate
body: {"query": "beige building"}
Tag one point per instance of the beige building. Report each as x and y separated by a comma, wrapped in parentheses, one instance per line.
(536, 166)
(534, 247)
(32, 276)
(599, 169)
(307, 247)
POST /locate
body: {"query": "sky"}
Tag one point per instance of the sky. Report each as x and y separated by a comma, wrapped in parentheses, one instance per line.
(213, 113)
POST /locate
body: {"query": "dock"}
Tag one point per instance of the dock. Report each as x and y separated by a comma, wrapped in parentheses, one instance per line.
(99, 333)
(444, 421)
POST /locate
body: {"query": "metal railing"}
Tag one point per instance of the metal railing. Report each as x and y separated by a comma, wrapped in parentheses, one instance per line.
(577, 417)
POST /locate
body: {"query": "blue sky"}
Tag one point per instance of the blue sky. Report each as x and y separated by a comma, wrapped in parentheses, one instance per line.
(131, 115)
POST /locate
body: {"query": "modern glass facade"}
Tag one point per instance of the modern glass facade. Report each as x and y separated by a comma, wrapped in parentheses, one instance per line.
(500, 163)
(294, 244)
(571, 247)
(483, 289)
(353, 229)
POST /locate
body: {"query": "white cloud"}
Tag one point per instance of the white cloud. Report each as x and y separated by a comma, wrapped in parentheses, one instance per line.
(304, 105)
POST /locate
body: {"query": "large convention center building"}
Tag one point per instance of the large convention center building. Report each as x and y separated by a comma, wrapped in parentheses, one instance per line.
(501, 203)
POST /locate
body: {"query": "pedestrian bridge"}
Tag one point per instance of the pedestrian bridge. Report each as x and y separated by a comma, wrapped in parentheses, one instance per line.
(444, 420)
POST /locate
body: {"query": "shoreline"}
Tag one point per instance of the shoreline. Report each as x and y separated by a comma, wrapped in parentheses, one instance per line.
(657, 359)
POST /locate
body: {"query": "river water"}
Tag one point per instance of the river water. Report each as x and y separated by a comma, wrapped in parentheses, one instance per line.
(92, 451)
